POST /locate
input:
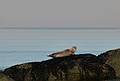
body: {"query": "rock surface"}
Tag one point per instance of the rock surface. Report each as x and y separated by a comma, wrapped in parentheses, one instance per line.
(112, 58)
(3, 77)
(83, 67)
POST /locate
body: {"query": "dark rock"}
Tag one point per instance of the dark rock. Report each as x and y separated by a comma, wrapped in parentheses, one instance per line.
(88, 58)
(83, 67)
(108, 72)
(112, 58)
(3, 77)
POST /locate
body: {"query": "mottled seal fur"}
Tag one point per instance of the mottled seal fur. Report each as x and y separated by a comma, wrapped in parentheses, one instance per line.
(67, 52)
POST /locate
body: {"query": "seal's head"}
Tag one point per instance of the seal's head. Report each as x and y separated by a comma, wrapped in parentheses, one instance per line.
(73, 49)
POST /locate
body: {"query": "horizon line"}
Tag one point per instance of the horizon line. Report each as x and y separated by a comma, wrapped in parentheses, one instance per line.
(54, 28)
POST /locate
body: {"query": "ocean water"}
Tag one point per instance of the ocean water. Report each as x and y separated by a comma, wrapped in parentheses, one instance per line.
(28, 45)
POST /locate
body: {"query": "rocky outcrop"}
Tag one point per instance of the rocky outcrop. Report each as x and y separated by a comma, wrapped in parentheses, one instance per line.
(83, 67)
(112, 58)
(3, 77)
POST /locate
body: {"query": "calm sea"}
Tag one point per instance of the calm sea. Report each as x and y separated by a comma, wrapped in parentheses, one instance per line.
(20, 45)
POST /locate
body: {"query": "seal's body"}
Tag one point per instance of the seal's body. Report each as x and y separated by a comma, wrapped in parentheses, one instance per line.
(64, 53)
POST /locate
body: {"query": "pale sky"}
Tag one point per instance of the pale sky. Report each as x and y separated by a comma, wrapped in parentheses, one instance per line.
(60, 13)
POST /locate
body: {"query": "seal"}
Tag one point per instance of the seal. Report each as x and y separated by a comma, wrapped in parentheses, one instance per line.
(66, 52)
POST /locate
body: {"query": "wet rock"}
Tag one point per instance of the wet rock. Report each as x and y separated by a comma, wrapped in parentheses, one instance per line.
(3, 77)
(112, 58)
(83, 67)
(108, 73)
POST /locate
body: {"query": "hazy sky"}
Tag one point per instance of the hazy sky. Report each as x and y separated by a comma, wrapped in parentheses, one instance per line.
(17, 44)
(59, 13)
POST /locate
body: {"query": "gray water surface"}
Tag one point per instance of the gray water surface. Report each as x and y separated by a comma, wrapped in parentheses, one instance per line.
(27, 45)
